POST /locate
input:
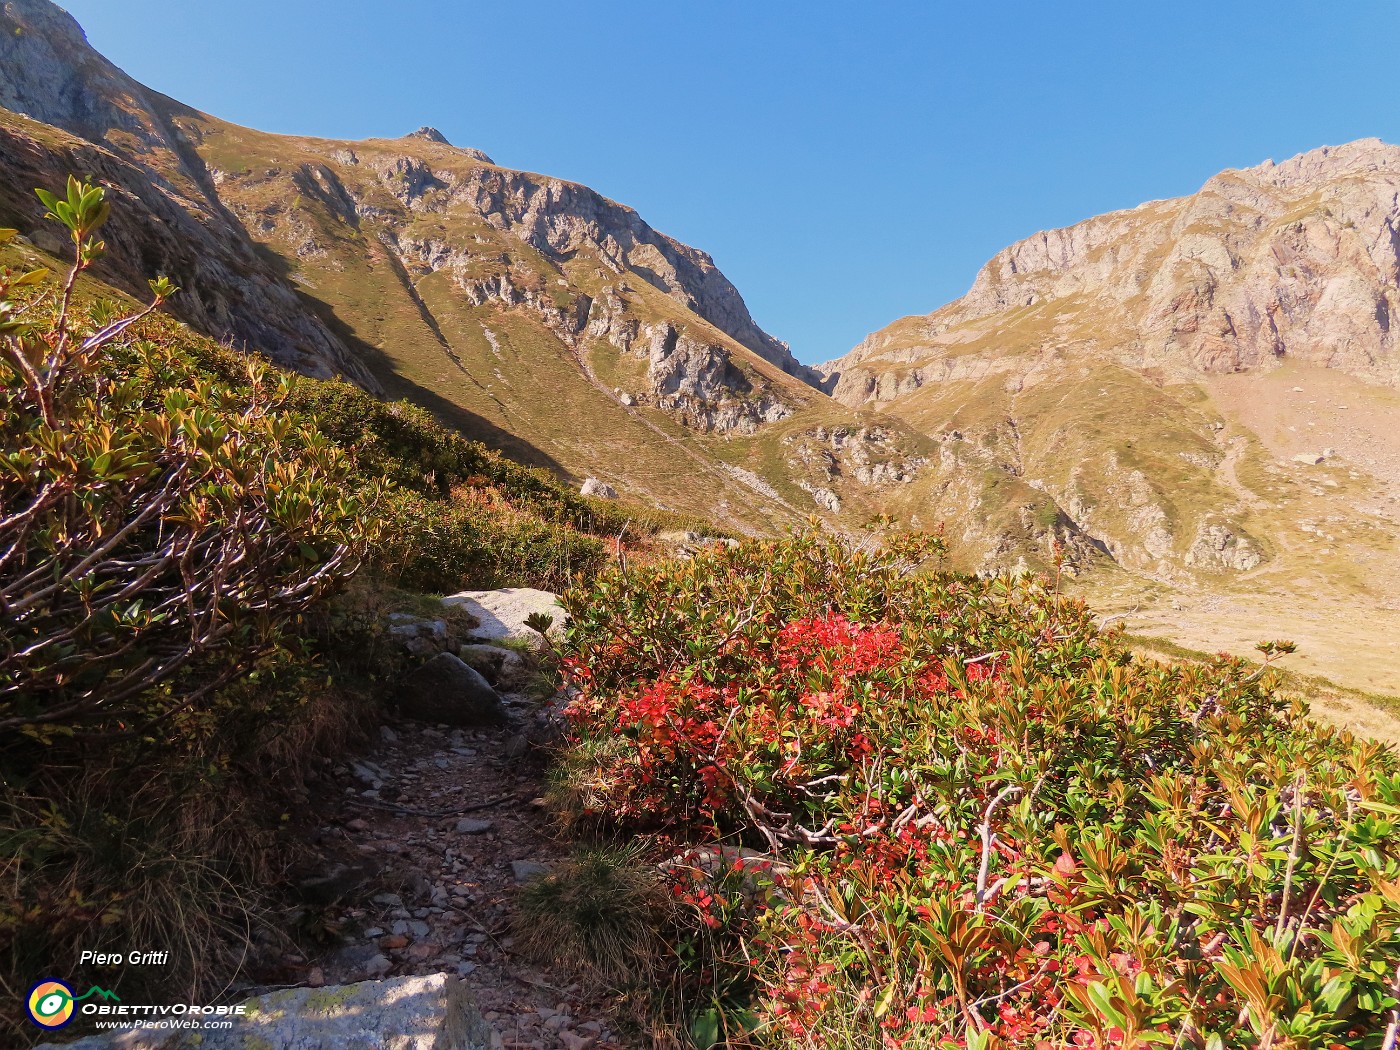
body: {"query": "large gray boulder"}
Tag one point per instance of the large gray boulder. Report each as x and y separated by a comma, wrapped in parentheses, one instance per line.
(600, 489)
(434, 1012)
(448, 691)
(502, 613)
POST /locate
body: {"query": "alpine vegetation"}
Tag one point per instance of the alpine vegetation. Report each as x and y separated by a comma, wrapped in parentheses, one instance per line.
(953, 811)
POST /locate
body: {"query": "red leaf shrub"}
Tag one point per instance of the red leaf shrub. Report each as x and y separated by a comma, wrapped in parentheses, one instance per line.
(998, 826)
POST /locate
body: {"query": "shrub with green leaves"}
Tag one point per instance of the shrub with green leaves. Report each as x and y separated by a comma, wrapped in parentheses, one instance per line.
(438, 545)
(147, 514)
(992, 824)
(464, 515)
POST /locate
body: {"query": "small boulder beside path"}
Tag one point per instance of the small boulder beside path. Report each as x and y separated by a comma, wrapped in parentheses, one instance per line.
(503, 668)
(447, 691)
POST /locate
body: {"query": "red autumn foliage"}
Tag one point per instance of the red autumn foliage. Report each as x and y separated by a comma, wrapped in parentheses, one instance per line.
(995, 826)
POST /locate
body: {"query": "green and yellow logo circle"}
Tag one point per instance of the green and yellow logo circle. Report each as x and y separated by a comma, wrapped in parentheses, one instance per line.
(50, 1004)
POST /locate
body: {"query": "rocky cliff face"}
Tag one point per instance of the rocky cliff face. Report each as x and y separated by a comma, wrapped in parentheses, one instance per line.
(69, 110)
(1075, 389)
(556, 218)
(560, 219)
(466, 241)
(1298, 260)
(253, 245)
(1065, 404)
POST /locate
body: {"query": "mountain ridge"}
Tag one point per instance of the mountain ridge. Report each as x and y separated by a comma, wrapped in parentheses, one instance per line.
(1120, 397)
(96, 100)
(1199, 282)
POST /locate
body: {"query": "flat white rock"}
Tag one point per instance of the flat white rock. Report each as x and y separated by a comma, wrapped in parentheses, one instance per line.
(503, 612)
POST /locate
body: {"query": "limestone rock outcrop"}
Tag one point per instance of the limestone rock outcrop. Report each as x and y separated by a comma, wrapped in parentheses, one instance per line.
(505, 614)
(1299, 259)
(1089, 390)
(596, 488)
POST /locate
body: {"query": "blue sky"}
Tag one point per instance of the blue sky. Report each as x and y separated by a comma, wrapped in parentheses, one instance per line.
(845, 163)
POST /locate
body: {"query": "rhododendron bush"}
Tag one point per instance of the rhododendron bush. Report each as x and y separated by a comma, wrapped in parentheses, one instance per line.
(986, 823)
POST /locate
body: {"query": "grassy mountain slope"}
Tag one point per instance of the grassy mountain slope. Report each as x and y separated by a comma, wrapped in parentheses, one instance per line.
(1196, 397)
(527, 312)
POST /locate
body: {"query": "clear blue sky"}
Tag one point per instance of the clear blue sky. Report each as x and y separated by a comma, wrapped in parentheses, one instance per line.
(845, 163)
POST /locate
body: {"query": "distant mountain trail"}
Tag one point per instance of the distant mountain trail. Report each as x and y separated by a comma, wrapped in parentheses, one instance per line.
(1228, 472)
(1302, 408)
(706, 465)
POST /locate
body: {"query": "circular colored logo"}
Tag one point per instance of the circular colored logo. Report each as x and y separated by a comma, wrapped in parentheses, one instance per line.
(50, 1004)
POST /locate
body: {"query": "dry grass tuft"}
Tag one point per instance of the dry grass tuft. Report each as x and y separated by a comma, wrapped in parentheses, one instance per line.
(580, 784)
(599, 917)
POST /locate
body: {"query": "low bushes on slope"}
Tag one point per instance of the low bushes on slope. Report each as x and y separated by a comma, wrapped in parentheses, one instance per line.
(464, 515)
(991, 825)
(147, 516)
(458, 515)
(166, 543)
(177, 649)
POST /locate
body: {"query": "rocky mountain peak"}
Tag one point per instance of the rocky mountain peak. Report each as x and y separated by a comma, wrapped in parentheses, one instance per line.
(431, 134)
(49, 72)
(1359, 158)
(428, 134)
(46, 19)
(1147, 385)
(167, 217)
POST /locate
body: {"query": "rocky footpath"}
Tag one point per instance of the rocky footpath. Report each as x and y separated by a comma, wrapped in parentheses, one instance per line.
(442, 825)
(435, 829)
(415, 851)
(422, 845)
